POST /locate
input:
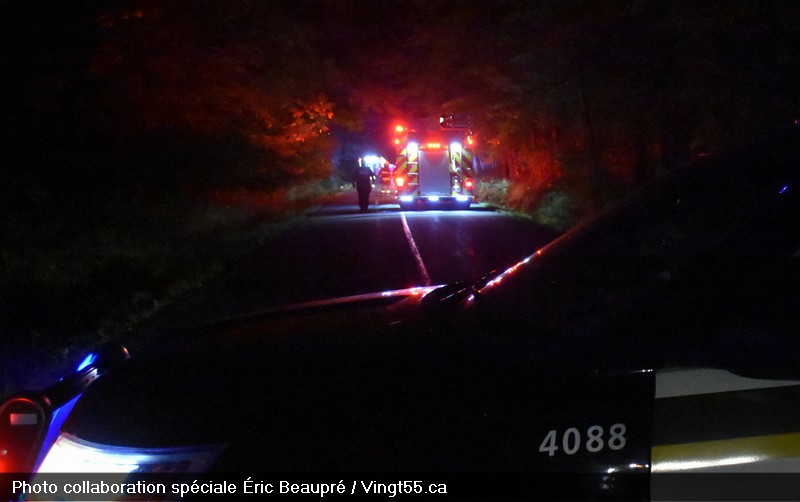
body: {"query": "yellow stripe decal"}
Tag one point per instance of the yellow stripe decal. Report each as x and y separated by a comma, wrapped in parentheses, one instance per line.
(678, 457)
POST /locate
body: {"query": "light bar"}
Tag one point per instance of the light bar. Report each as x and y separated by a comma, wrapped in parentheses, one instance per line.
(433, 198)
(89, 359)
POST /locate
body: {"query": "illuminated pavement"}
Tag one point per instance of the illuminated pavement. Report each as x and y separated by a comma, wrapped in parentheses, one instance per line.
(339, 251)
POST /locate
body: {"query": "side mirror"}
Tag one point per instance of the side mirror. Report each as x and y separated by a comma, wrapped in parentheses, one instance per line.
(27, 417)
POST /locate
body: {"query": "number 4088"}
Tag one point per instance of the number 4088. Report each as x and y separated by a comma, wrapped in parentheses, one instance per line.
(595, 441)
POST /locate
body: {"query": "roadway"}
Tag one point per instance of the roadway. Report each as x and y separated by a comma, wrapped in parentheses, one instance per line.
(337, 251)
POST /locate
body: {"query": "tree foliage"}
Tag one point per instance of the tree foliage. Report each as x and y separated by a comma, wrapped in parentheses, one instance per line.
(596, 93)
(254, 91)
(237, 69)
(121, 117)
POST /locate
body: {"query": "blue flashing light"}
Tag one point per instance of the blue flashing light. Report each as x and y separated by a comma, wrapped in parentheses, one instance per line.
(406, 198)
(462, 198)
(89, 359)
(783, 190)
(54, 429)
(433, 198)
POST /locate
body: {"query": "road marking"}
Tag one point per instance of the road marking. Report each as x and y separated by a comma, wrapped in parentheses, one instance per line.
(420, 264)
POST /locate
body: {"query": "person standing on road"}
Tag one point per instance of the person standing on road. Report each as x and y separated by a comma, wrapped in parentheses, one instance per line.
(363, 184)
(385, 175)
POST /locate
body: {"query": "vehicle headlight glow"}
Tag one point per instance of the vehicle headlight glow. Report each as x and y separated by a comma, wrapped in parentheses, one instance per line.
(371, 160)
(71, 454)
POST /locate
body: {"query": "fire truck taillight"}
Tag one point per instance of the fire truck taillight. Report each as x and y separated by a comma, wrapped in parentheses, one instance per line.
(400, 181)
(468, 183)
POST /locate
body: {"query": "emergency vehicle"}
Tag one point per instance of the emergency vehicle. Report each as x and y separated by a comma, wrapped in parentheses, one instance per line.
(385, 179)
(603, 366)
(434, 169)
(372, 162)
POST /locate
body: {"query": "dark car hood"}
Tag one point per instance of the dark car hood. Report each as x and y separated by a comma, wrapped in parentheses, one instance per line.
(362, 384)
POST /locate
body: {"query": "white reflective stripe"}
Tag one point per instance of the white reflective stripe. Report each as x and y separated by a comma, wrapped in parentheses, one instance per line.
(728, 455)
(24, 419)
(695, 381)
(70, 454)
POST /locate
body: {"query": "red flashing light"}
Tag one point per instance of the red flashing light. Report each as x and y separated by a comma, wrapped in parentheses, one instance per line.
(468, 183)
(400, 181)
(23, 424)
(400, 135)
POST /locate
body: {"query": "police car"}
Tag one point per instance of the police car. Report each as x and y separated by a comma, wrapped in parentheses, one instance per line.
(658, 341)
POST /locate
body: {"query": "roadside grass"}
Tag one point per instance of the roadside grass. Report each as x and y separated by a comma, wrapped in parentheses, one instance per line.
(557, 208)
(67, 286)
(69, 283)
(493, 191)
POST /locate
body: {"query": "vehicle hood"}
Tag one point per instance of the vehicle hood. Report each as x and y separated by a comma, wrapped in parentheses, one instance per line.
(307, 377)
(366, 383)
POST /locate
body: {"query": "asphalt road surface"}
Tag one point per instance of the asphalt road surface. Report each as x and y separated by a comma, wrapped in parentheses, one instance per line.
(338, 251)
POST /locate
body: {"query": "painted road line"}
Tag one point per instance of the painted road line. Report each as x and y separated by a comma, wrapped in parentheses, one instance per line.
(415, 251)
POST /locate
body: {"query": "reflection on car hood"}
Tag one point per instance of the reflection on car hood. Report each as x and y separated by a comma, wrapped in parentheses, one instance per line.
(371, 313)
(219, 370)
(359, 383)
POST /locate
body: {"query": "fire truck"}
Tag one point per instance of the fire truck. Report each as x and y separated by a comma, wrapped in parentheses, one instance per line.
(434, 169)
